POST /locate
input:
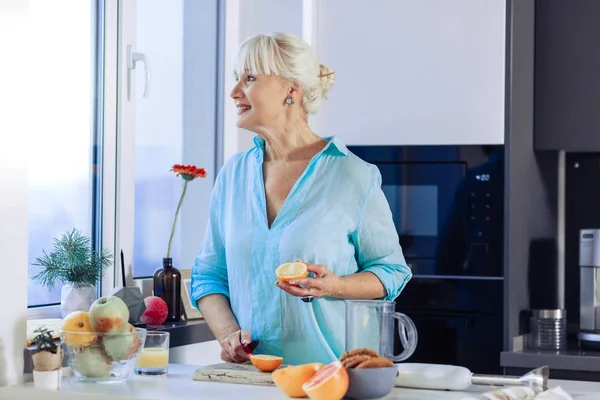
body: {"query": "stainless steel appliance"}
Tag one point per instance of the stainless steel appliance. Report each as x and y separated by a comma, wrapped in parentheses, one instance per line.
(448, 206)
(589, 286)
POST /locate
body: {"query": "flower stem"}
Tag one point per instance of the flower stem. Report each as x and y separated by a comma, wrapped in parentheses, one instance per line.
(176, 216)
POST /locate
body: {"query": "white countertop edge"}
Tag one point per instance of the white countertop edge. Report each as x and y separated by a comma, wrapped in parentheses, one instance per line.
(179, 385)
(21, 393)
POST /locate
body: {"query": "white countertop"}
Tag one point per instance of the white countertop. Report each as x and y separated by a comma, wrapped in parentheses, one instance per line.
(179, 385)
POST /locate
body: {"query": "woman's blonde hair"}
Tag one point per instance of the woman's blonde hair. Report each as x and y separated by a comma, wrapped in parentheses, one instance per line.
(292, 59)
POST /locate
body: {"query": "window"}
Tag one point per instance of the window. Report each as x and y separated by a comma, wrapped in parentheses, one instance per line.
(64, 176)
(174, 122)
(103, 151)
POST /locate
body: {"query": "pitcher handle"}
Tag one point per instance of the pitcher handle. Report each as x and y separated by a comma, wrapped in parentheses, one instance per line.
(408, 337)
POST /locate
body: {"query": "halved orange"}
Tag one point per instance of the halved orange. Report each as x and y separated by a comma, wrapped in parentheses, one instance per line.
(266, 363)
(288, 271)
(290, 379)
(328, 383)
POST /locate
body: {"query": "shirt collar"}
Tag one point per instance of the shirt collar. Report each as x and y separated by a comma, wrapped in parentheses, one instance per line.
(336, 144)
(333, 144)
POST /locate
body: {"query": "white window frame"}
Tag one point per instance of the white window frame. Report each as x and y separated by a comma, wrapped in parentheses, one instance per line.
(109, 146)
(124, 196)
(43, 312)
(126, 144)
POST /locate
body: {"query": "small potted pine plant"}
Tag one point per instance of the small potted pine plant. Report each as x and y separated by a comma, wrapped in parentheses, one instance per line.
(74, 263)
(47, 361)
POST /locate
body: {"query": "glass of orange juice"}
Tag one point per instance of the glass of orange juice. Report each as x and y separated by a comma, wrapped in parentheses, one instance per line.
(154, 358)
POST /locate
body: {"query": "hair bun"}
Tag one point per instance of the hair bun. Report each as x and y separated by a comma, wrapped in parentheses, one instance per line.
(327, 76)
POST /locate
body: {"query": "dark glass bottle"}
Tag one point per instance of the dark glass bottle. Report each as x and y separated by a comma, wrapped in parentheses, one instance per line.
(167, 286)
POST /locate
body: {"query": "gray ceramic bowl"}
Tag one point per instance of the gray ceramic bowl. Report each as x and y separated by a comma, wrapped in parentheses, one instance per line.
(371, 383)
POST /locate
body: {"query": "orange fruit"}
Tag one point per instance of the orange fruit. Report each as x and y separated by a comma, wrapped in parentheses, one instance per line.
(288, 271)
(290, 379)
(266, 363)
(328, 383)
(78, 331)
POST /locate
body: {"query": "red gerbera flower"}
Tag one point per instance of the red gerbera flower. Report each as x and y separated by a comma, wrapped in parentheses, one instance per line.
(188, 173)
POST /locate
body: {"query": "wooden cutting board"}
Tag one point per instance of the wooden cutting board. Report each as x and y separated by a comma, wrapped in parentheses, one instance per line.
(246, 374)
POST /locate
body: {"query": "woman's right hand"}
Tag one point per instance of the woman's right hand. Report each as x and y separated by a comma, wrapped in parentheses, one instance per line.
(232, 349)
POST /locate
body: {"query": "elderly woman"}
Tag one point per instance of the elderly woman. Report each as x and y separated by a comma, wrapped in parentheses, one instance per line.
(294, 196)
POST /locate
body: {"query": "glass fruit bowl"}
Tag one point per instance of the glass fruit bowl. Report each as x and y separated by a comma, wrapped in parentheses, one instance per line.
(103, 356)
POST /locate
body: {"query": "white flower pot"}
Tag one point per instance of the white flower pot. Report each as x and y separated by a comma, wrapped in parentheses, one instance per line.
(76, 299)
(49, 380)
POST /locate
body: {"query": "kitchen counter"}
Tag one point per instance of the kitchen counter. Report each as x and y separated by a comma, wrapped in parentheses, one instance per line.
(179, 385)
(573, 359)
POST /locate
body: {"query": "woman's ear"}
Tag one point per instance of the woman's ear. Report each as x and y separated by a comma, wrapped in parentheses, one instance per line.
(295, 87)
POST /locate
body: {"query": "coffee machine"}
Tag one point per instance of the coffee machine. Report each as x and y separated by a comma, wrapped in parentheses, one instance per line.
(589, 284)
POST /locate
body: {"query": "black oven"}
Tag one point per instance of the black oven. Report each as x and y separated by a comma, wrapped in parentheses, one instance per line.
(448, 204)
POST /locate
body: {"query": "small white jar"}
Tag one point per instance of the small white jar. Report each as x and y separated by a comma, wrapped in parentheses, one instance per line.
(49, 380)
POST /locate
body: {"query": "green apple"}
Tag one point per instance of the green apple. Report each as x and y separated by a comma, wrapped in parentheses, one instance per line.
(92, 362)
(122, 346)
(109, 314)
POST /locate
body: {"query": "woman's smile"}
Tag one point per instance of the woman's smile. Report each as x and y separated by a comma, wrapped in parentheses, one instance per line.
(242, 108)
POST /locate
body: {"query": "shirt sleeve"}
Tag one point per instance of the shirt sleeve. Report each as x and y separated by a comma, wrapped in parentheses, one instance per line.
(209, 272)
(377, 243)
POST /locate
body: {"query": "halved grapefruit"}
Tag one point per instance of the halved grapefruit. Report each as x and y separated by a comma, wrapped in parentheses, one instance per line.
(288, 271)
(266, 363)
(290, 379)
(328, 383)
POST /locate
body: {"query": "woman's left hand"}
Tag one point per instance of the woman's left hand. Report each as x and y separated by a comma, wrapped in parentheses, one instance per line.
(324, 284)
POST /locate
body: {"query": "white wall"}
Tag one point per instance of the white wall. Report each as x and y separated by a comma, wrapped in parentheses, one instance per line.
(14, 114)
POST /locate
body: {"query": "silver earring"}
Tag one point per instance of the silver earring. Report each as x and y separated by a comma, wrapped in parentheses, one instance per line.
(289, 100)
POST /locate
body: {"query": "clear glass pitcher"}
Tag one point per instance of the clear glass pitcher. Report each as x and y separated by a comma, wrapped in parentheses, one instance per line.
(370, 324)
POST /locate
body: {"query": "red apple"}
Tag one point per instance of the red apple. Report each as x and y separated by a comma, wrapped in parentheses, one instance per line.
(109, 314)
(156, 311)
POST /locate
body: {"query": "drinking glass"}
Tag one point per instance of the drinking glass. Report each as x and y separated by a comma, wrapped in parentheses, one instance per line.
(154, 358)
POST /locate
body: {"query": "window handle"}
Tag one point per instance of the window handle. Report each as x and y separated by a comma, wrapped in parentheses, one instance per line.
(132, 59)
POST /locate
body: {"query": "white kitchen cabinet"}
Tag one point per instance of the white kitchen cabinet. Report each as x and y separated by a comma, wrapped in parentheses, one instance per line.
(412, 72)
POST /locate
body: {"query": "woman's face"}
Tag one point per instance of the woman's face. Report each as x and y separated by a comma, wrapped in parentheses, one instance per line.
(260, 101)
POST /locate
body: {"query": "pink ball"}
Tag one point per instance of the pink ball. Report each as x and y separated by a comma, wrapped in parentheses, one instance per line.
(156, 311)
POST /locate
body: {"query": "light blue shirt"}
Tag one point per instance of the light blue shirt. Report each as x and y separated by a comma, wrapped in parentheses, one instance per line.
(336, 215)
